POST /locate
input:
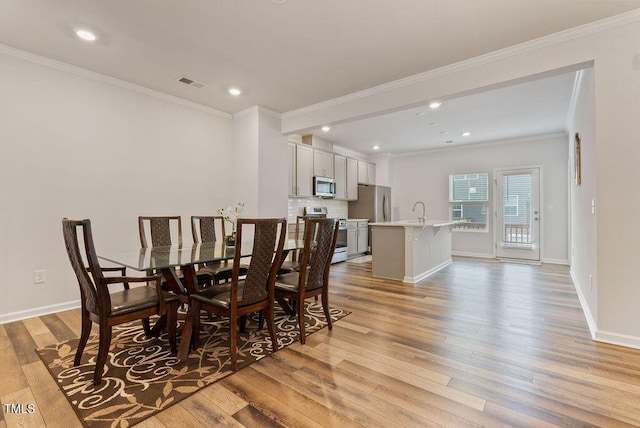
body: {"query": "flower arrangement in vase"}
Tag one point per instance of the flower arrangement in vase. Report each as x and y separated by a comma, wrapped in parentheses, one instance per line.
(231, 214)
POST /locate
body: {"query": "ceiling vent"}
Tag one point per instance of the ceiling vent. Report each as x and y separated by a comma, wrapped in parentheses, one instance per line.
(191, 82)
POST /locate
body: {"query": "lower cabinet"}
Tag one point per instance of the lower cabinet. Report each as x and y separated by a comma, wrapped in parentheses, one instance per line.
(357, 238)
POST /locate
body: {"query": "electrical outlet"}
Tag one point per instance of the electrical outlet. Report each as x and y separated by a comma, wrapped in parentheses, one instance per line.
(39, 276)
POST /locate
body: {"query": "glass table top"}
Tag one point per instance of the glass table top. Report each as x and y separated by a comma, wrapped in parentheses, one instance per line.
(143, 259)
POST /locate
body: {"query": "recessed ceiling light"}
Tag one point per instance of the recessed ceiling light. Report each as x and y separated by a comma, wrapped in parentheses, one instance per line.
(466, 133)
(376, 147)
(435, 104)
(434, 124)
(235, 91)
(86, 35)
(420, 113)
(444, 132)
(326, 128)
(278, 1)
(448, 142)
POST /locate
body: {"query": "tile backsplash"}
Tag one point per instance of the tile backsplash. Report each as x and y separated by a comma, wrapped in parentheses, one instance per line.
(336, 209)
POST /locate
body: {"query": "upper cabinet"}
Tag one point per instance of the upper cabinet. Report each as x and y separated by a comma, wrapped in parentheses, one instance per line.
(323, 164)
(366, 173)
(352, 179)
(292, 169)
(340, 176)
(300, 170)
(346, 178)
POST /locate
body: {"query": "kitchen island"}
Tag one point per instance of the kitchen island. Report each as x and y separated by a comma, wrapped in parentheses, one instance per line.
(410, 251)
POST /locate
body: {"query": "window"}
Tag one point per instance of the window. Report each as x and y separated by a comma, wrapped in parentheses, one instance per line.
(468, 199)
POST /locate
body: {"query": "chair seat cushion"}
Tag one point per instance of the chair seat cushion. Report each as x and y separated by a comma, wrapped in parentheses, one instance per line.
(218, 295)
(290, 266)
(221, 269)
(287, 282)
(135, 299)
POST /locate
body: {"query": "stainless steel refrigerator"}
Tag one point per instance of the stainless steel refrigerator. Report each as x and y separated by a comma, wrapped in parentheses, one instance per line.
(374, 203)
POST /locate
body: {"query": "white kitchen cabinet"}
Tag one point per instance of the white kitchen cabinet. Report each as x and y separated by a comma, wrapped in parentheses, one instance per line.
(301, 173)
(357, 237)
(352, 179)
(366, 173)
(352, 238)
(363, 237)
(340, 176)
(292, 169)
(323, 164)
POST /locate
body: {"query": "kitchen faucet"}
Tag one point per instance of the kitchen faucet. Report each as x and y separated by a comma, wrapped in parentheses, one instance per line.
(422, 219)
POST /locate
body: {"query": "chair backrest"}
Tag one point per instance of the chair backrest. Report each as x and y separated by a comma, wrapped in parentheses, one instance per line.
(93, 298)
(269, 235)
(320, 236)
(203, 228)
(160, 230)
(298, 231)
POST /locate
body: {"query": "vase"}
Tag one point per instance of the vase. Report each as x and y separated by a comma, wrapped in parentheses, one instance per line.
(230, 240)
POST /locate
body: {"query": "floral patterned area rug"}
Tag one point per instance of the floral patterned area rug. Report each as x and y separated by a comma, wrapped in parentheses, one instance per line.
(141, 376)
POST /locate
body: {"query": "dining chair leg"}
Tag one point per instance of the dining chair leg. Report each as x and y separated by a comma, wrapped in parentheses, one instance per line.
(261, 318)
(172, 324)
(271, 326)
(84, 336)
(146, 326)
(243, 323)
(325, 307)
(301, 319)
(194, 317)
(103, 352)
(233, 325)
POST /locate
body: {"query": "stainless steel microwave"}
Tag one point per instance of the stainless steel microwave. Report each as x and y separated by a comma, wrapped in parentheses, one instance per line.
(324, 187)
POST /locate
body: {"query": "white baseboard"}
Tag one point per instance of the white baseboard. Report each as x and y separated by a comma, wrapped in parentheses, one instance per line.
(600, 335)
(617, 339)
(556, 261)
(36, 312)
(475, 255)
(591, 322)
(423, 275)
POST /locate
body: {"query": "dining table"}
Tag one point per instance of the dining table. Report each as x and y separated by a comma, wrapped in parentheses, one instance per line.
(168, 259)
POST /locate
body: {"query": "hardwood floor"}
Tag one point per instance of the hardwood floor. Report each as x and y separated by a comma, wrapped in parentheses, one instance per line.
(480, 343)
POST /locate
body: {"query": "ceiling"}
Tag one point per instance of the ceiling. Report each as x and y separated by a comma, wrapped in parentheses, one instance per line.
(519, 110)
(301, 52)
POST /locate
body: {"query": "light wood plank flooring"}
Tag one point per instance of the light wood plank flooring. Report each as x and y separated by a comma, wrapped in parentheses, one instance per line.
(480, 343)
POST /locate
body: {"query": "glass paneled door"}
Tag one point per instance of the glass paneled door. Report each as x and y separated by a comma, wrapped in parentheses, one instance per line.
(518, 213)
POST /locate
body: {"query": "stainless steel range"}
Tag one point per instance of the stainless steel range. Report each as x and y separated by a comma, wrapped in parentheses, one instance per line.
(340, 253)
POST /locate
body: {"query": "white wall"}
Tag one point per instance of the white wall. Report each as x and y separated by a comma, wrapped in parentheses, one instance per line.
(261, 163)
(583, 222)
(425, 177)
(76, 147)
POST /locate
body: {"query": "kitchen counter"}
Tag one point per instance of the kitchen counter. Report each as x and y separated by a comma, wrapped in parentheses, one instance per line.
(410, 250)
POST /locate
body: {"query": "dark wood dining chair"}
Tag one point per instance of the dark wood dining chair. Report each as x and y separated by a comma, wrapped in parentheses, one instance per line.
(164, 231)
(239, 298)
(203, 229)
(293, 265)
(160, 230)
(107, 308)
(320, 235)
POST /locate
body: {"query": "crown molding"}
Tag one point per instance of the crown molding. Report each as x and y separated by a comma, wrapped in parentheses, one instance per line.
(541, 42)
(103, 78)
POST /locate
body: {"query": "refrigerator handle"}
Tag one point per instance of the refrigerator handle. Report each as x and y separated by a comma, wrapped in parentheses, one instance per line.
(384, 208)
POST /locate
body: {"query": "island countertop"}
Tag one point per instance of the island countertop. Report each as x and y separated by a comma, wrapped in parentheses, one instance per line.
(416, 223)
